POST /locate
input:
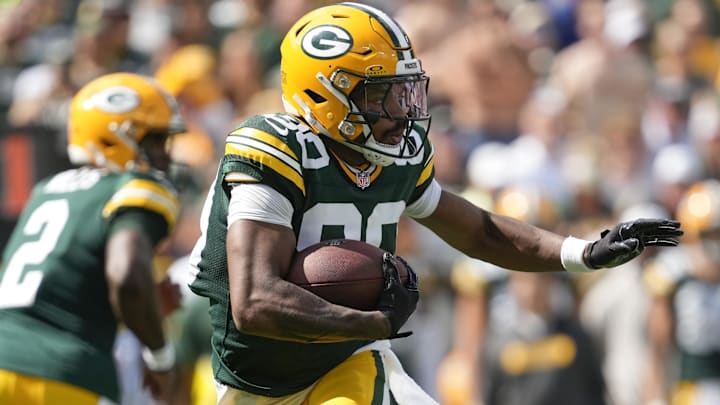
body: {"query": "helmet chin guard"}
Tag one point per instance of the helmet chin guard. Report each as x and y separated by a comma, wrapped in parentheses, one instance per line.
(371, 151)
(380, 159)
(383, 154)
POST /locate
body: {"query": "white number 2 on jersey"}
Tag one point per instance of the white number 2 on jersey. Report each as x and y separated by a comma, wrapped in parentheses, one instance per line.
(19, 288)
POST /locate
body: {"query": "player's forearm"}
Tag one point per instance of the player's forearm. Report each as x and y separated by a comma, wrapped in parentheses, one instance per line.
(131, 287)
(470, 324)
(504, 241)
(304, 317)
(264, 304)
(517, 245)
(138, 310)
(654, 386)
(659, 330)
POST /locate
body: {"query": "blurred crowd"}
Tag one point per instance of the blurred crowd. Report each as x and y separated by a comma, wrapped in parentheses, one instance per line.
(570, 114)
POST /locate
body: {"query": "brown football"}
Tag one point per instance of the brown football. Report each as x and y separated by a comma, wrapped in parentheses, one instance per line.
(343, 271)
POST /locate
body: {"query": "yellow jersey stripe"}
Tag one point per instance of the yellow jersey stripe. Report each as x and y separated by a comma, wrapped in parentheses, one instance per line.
(374, 175)
(347, 171)
(427, 171)
(269, 149)
(145, 194)
(263, 157)
(266, 138)
(151, 185)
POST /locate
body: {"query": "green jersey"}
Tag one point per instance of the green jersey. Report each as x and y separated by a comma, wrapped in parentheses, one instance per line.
(56, 321)
(330, 200)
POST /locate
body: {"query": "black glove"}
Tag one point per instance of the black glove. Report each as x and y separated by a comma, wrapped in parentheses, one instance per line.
(628, 239)
(398, 301)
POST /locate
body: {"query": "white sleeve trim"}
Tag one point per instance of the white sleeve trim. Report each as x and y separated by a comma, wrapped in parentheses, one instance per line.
(259, 202)
(571, 255)
(425, 205)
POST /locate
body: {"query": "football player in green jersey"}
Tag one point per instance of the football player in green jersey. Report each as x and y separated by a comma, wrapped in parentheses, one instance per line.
(79, 260)
(350, 156)
(684, 313)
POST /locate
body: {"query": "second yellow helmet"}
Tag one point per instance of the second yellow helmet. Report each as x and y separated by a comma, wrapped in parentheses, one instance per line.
(112, 114)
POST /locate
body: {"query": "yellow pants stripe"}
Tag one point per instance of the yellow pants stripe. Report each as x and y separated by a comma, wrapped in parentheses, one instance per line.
(21, 389)
(359, 380)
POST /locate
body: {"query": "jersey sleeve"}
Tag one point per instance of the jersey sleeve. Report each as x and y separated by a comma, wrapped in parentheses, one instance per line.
(147, 222)
(139, 192)
(426, 195)
(258, 149)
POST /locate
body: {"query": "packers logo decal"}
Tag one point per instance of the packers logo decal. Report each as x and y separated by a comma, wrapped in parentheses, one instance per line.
(114, 100)
(327, 42)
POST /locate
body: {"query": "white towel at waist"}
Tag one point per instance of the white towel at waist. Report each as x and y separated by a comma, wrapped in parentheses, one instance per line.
(405, 390)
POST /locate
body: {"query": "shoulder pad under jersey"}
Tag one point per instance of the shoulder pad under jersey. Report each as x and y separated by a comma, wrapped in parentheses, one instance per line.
(266, 147)
(146, 191)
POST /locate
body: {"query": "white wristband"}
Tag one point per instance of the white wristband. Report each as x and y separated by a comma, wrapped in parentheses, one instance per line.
(162, 359)
(571, 255)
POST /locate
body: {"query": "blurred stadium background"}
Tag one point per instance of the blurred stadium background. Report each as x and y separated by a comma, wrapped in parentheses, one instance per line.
(571, 114)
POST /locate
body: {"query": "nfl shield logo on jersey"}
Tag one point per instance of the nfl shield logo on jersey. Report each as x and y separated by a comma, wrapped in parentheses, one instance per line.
(363, 179)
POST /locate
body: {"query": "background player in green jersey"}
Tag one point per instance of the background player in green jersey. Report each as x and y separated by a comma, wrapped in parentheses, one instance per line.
(684, 316)
(347, 160)
(79, 260)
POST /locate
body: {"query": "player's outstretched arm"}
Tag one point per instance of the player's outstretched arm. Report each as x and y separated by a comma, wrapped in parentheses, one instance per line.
(265, 304)
(517, 245)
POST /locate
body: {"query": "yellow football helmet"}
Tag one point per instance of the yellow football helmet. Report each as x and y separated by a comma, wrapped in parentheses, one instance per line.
(111, 115)
(347, 48)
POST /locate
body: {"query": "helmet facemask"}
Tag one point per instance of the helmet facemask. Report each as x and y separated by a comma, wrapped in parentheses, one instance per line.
(154, 149)
(401, 100)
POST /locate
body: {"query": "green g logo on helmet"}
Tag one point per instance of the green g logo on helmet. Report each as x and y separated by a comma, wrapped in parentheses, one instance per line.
(114, 100)
(327, 42)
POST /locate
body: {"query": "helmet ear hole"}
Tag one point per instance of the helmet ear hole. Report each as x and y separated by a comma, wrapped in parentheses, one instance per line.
(315, 96)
